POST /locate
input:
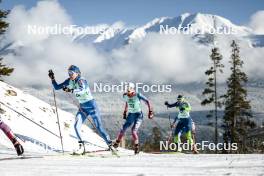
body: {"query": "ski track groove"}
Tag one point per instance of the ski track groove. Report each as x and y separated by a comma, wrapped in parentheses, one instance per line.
(141, 165)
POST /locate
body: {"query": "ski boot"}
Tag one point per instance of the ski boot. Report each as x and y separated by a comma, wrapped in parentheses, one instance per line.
(81, 150)
(116, 144)
(136, 149)
(194, 149)
(110, 146)
(19, 148)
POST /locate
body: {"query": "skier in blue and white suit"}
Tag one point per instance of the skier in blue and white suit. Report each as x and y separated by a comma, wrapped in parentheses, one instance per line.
(79, 87)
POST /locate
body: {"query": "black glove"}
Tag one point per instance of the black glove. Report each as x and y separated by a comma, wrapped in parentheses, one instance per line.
(51, 75)
(66, 89)
(150, 114)
(124, 115)
(166, 103)
(182, 109)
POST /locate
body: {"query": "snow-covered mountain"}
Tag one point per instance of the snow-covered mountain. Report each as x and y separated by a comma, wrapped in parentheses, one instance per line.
(113, 37)
(203, 23)
(35, 123)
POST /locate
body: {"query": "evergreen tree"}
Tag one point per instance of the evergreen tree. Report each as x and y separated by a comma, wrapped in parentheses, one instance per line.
(4, 70)
(237, 115)
(152, 143)
(211, 87)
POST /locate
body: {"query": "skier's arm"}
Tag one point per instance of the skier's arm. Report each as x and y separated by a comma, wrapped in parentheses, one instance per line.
(60, 86)
(172, 105)
(175, 120)
(126, 107)
(55, 84)
(125, 111)
(143, 98)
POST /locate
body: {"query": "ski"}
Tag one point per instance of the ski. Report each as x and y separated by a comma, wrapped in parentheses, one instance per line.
(20, 157)
(114, 151)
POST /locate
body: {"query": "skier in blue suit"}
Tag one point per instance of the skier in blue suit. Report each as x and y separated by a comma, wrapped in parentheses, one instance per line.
(79, 87)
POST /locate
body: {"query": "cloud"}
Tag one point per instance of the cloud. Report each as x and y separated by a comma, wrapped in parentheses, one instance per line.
(57, 53)
(45, 13)
(256, 22)
(161, 58)
(156, 58)
(39, 53)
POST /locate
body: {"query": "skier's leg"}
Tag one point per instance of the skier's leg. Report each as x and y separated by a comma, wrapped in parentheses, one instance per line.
(98, 124)
(5, 128)
(8, 132)
(80, 118)
(188, 128)
(126, 125)
(189, 137)
(134, 129)
(193, 131)
(136, 126)
(177, 131)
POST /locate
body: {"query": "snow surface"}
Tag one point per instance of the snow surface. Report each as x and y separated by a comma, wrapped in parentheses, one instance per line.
(35, 123)
(139, 165)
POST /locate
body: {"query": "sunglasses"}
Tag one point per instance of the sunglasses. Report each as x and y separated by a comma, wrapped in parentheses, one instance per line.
(70, 72)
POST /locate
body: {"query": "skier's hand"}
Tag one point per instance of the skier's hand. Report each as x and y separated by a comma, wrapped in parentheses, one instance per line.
(173, 125)
(51, 75)
(166, 103)
(125, 115)
(66, 89)
(150, 114)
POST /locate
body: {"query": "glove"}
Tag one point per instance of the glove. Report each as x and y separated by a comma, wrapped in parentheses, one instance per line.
(66, 89)
(173, 125)
(124, 115)
(150, 114)
(182, 109)
(51, 75)
(166, 103)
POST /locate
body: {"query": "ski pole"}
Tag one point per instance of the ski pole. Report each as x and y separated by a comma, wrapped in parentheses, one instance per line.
(58, 119)
(19, 113)
(169, 138)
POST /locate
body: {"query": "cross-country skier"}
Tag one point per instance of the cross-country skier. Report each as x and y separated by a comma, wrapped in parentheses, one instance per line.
(8, 132)
(79, 87)
(185, 121)
(135, 115)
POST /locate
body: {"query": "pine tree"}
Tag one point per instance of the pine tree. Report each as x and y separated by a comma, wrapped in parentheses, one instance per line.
(152, 143)
(4, 70)
(237, 115)
(211, 87)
